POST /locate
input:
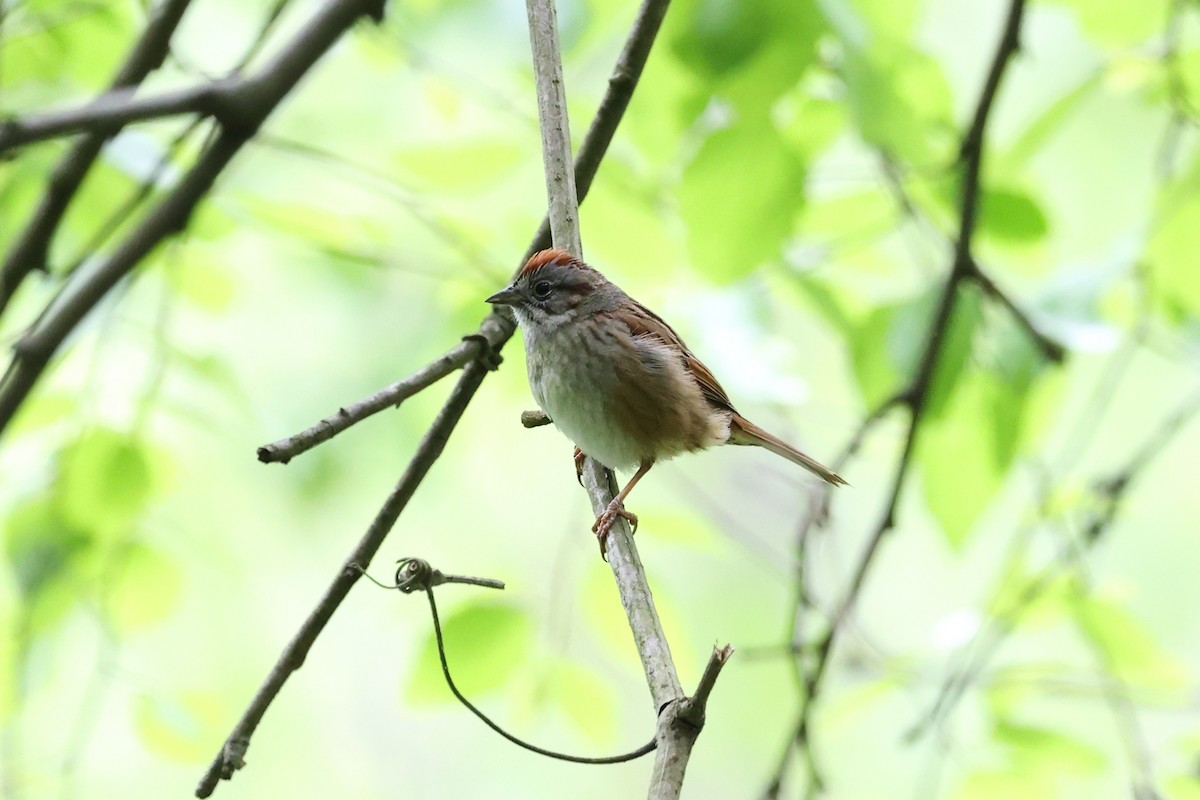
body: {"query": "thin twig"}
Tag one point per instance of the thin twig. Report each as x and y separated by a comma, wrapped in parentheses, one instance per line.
(466, 351)
(417, 575)
(232, 754)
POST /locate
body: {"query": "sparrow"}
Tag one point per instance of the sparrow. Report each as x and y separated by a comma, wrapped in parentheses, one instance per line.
(618, 381)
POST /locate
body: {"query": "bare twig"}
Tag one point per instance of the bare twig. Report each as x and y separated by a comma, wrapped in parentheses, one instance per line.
(259, 98)
(679, 725)
(120, 107)
(29, 250)
(232, 754)
(417, 575)
(469, 349)
(1052, 350)
(535, 419)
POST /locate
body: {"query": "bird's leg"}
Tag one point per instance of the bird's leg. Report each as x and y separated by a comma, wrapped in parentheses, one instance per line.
(579, 457)
(616, 508)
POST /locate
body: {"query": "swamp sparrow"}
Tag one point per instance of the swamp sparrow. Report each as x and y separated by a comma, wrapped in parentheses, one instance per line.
(617, 380)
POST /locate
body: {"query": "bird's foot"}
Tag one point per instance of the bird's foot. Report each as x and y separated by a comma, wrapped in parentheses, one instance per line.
(605, 521)
(579, 458)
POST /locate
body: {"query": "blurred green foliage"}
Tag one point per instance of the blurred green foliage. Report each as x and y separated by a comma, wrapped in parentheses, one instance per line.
(785, 191)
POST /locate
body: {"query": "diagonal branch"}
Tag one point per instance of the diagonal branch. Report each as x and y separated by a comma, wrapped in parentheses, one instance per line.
(496, 329)
(29, 250)
(117, 108)
(256, 100)
(232, 754)
(915, 396)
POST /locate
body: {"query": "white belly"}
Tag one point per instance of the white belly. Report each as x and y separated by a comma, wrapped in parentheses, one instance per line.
(572, 392)
(573, 395)
(624, 401)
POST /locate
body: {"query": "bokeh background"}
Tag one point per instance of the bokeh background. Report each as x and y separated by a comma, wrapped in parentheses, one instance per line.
(784, 192)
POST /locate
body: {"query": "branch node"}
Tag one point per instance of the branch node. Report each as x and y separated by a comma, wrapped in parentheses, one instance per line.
(488, 354)
(535, 419)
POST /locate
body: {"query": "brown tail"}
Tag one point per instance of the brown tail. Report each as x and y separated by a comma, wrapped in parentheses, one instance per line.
(743, 431)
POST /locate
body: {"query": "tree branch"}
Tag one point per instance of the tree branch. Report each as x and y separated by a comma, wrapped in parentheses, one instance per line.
(29, 250)
(677, 721)
(491, 336)
(257, 99)
(232, 753)
(231, 756)
(915, 396)
(117, 108)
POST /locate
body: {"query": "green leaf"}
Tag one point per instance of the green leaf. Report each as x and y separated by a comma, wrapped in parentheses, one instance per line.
(462, 166)
(956, 348)
(1011, 215)
(42, 546)
(486, 642)
(202, 278)
(739, 198)
(716, 37)
(888, 342)
(143, 590)
(960, 466)
(1001, 785)
(1041, 749)
(901, 101)
(885, 347)
(1182, 787)
(1118, 23)
(180, 728)
(1171, 254)
(104, 481)
(1129, 648)
(586, 699)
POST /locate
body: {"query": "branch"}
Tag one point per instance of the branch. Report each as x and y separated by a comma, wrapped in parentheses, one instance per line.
(231, 756)
(80, 296)
(679, 726)
(1052, 350)
(117, 108)
(480, 345)
(29, 250)
(916, 395)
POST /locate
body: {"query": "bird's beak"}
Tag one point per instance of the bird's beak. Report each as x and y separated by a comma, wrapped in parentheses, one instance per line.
(505, 297)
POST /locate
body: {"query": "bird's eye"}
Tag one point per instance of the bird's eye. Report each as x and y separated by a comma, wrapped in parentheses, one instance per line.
(541, 289)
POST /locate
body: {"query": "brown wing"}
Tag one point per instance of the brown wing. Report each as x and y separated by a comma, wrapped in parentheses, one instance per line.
(644, 322)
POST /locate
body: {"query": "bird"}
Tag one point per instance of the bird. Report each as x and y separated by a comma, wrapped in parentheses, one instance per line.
(619, 381)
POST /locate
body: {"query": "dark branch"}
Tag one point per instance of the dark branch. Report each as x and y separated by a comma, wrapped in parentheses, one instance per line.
(29, 250)
(80, 296)
(233, 751)
(1051, 349)
(115, 109)
(915, 396)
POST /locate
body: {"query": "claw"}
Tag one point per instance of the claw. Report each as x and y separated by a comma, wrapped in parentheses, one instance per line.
(579, 457)
(605, 521)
